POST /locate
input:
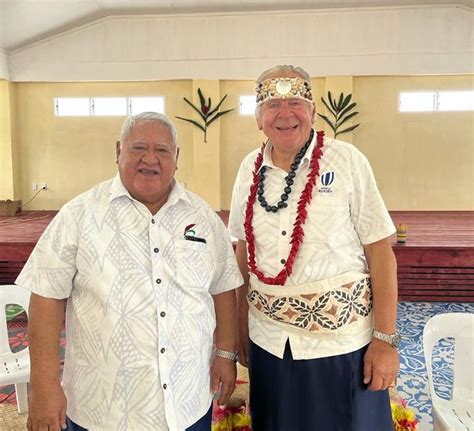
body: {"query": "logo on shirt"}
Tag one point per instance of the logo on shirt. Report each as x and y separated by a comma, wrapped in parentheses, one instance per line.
(326, 180)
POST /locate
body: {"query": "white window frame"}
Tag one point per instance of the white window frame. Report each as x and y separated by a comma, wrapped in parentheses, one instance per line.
(91, 113)
(436, 101)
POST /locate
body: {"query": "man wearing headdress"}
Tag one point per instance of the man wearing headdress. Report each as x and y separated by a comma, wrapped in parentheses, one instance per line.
(317, 312)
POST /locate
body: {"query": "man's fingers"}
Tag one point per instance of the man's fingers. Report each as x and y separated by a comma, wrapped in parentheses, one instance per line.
(214, 383)
(367, 372)
(227, 389)
(62, 419)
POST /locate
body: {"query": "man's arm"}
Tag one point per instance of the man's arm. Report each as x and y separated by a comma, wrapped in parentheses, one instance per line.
(381, 360)
(242, 304)
(223, 370)
(47, 403)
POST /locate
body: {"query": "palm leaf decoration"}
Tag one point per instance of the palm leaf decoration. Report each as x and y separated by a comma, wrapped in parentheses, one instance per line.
(340, 110)
(206, 114)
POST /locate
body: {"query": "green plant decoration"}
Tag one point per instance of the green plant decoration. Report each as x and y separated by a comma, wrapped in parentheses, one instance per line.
(207, 114)
(340, 111)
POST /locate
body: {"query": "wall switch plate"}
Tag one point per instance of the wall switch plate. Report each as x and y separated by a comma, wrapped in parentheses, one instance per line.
(34, 187)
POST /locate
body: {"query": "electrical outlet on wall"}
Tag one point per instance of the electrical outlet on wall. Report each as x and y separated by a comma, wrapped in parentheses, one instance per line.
(43, 186)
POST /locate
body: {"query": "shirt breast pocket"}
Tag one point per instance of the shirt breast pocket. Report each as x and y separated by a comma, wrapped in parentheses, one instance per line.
(194, 264)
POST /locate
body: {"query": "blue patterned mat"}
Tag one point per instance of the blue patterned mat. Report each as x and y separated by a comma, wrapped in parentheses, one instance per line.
(413, 380)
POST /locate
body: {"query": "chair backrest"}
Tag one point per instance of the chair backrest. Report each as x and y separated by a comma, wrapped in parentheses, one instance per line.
(459, 326)
(10, 294)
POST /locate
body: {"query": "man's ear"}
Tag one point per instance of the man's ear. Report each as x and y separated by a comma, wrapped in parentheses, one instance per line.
(117, 151)
(177, 157)
(258, 117)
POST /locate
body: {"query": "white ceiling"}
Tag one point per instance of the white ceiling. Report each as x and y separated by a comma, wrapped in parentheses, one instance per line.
(23, 22)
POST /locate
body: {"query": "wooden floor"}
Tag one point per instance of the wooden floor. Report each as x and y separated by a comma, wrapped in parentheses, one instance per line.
(435, 264)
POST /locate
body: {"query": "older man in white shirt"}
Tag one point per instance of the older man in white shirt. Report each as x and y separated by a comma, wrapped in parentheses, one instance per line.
(320, 273)
(146, 272)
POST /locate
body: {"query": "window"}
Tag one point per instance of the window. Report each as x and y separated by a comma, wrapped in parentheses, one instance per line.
(247, 105)
(146, 104)
(456, 101)
(72, 106)
(430, 101)
(417, 102)
(107, 106)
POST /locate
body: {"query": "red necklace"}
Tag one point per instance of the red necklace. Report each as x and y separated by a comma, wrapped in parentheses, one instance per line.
(301, 214)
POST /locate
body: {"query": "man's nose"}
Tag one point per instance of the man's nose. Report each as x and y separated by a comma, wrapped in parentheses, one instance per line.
(150, 157)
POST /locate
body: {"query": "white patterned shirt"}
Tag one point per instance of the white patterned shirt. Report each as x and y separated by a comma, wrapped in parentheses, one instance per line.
(140, 313)
(346, 212)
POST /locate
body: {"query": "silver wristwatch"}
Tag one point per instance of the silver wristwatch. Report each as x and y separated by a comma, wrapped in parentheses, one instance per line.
(392, 339)
(233, 356)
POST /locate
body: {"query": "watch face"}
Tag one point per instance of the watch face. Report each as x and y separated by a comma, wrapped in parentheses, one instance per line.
(396, 340)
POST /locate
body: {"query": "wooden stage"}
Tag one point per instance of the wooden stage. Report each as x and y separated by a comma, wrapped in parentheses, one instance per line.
(435, 264)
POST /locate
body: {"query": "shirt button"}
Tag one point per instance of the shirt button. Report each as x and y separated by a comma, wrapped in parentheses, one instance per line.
(158, 280)
(163, 350)
(162, 314)
(153, 221)
(283, 232)
(283, 261)
(165, 386)
(156, 250)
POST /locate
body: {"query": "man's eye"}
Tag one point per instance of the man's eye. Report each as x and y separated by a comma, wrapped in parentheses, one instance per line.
(295, 103)
(139, 147)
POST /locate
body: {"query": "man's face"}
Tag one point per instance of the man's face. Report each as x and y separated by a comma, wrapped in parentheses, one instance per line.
(287, 122)
(147, 162)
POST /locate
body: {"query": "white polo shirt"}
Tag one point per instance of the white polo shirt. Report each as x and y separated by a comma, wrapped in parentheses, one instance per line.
(140, 313)
(346, 212)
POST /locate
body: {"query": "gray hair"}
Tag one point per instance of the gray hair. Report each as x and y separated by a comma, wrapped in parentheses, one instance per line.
(131, 120)
(283, 68)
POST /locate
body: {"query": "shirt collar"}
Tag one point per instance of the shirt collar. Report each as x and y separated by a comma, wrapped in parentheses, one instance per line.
(267, 153)
(177, 193)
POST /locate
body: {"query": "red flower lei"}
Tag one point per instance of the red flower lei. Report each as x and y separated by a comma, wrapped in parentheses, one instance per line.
(301, 214)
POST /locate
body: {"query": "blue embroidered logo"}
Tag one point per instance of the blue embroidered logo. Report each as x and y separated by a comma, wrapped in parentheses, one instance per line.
(327, 178)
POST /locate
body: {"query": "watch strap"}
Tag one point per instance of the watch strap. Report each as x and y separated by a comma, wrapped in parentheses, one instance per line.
(233, 356)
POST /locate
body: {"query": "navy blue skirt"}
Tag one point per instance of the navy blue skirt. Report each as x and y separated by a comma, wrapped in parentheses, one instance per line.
(317, 394)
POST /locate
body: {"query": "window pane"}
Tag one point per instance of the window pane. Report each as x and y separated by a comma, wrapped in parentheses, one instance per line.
(147, 104)
(417, 102)
(456, 101)
(110, 105)
(247, 105)
(70, 106)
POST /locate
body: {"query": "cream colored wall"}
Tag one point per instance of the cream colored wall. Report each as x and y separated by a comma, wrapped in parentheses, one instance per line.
(71, 154)
(422, 161)
(239, 133)
(6, 141)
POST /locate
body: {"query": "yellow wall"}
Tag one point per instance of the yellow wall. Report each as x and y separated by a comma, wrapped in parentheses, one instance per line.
(7, 141)
(71, 154)
(422, 161)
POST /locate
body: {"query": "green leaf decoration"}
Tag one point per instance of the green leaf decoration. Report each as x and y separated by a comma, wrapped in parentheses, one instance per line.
(347, 130)
(327, 106)
(340, 109)
(207, 115)
(192, 122)
(219, 114)
(196, 109)
(201, 98)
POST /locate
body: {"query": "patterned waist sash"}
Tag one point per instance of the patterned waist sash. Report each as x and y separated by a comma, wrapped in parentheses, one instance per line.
(340, 304)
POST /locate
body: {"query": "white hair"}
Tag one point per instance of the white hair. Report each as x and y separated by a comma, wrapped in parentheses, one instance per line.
(281, 69)
(131, 120)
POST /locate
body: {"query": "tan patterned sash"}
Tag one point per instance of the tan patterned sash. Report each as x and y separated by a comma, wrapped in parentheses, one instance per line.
(324, 306)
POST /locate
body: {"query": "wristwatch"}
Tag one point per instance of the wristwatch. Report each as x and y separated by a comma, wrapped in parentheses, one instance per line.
(392, 339)
(233, 356)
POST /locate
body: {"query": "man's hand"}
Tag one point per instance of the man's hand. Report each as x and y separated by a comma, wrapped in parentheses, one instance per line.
(223, 374)
(47, 409)
(381, 364)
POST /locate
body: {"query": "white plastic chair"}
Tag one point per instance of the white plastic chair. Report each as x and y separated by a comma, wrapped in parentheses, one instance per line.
(14, 367)
(458, 412)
